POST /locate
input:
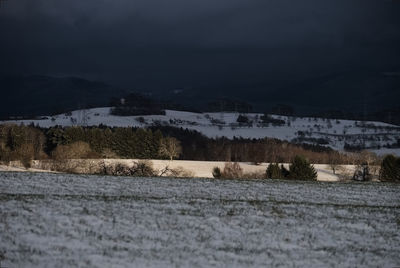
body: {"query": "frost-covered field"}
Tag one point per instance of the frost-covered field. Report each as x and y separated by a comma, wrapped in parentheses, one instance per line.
(53, 220)
(376, 136)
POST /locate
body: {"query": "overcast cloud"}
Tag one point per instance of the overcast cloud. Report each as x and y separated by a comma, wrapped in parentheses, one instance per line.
(175, 43)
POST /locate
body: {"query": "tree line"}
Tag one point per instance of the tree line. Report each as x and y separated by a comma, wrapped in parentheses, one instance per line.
(19, 142)
(196, 146)
(149, 143)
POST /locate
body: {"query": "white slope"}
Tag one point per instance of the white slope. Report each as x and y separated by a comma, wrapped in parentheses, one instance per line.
(377, 136)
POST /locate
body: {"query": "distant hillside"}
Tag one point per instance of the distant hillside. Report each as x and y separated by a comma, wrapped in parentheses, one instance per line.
(346, 95)
(357, 95)
(41, 95)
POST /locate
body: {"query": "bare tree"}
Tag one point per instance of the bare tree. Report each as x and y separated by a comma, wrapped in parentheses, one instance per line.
(368, 158)
(371, 160)
(334, 160)
(175, 172)
(170, 147)
(257, 153)
(26, 153)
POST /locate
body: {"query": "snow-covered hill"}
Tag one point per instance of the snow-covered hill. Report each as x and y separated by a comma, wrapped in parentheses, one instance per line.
(376, 136)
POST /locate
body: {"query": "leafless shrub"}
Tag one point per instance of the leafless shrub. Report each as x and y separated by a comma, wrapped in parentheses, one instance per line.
(75, 166)
(64, 165)
(176, 172)
(374, 171)
(122, 170)
(343, 173)
(232, 171)
(108, 153)
(181, 172)
(254, 175)
(25, 153)
(76, 150)
(142, 168)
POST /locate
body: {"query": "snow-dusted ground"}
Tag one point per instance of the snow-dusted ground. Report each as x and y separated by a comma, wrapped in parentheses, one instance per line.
(335, 133)
(55, 220)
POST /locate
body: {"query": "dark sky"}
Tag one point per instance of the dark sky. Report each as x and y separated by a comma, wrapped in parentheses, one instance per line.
(157, 44)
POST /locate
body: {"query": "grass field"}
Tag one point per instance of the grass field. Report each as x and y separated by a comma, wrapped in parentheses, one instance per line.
(57, 220)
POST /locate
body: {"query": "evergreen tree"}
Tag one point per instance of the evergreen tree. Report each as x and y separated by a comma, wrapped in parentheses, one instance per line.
(274, 172)
(96, 138)
(155, 145)
(124, 142)
(216, 172)
(390, 168)
(143, 142)
(301, 169)
(284, 171)
(55, 137)
(242, 119)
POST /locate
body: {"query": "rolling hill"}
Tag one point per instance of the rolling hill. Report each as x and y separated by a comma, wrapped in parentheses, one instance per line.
(341, 135)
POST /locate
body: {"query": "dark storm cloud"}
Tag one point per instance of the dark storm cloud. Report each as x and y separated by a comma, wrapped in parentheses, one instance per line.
(159, 43)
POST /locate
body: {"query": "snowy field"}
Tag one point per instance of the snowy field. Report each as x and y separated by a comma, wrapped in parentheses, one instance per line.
(58, 220)
(379, 137)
